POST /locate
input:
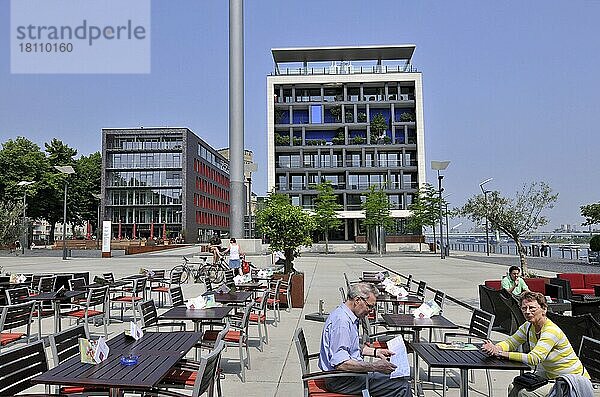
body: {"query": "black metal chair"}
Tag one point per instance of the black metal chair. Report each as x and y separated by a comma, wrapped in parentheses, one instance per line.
(576, 327)
(19, 366)
(13, 317)
(591, 307)
(149, 317)
(566, 286)
(176, 295)
(517, 317)
(589, 354)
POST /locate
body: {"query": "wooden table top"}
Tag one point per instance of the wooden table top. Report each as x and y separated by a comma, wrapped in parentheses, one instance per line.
(463, 359)
(52, 296)
(158, 352)
(409, 321)
(183, 313)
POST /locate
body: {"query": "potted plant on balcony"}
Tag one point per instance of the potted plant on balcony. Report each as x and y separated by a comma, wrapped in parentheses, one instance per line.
(378, 127)
(350, 116)
(336, 113)
(281, 140)
(339, 138)
(407, 117)
(361, 117)
(297, 141)
(287, 227)
(357, 140)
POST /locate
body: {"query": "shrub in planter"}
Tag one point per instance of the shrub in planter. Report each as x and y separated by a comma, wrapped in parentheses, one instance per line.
(350, 117)
(362, 117)
(595, 243)
(358, 140)
(407, 117)
(281, 140)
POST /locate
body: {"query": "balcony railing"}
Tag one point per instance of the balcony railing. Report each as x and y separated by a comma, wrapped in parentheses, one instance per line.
(348, 69)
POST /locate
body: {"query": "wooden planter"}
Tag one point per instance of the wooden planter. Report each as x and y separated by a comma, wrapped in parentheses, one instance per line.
(296, 290)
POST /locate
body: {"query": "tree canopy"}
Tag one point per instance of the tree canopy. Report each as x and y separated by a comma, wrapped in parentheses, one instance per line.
(515, 217)
(325, 211)
(286, 226)
(378, 216)
(11, 226)
(591, 213)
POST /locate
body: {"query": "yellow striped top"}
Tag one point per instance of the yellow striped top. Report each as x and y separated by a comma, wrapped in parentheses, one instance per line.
(552, 353)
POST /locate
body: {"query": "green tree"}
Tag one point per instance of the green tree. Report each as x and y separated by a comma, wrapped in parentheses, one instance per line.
(378, 218)
(286, 226)
(83, 184)
(11, 226)
(591, 213)
(515, 217)
(325, 211)
(425, 209)
(378, 127)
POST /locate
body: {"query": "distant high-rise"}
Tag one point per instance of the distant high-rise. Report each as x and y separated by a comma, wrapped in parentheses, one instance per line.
(321, 107)
(163, 183)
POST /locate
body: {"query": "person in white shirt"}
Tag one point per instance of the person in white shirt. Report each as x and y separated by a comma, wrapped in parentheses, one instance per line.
(235, 254)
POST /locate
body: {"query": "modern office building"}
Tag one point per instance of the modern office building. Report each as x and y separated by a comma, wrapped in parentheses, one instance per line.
(163, 183)
(349, 115)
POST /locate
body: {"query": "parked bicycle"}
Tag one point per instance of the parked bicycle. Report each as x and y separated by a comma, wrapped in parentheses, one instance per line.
(215, 272)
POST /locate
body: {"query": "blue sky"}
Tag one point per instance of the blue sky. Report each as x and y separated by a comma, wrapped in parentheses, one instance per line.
(510, 88)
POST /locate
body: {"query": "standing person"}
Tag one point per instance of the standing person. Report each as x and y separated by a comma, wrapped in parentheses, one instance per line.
(235, 253)
(513, 283)
(340, 350)
(550, 351)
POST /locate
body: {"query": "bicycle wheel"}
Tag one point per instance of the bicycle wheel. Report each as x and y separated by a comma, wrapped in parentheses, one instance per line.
(185, 272)
(215, 275)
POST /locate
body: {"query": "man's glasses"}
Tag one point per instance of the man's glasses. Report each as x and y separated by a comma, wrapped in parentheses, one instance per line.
(370, 306)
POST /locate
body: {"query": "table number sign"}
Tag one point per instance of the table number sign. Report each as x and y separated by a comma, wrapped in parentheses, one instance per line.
(134, 331)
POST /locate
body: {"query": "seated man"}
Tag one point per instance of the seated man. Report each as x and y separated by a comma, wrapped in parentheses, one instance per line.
(513, 283)
(340, 350)
(215, 247)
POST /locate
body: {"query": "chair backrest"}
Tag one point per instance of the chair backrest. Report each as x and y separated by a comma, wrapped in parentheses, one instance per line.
(302, 349)
(139, 285)
(591, 307)
(229, 275)
(246, 318)
(409, 282)
(565, 284)
(159, 273)
(14, 316)
(176, 295)
(18, 366)
(148, 313)
(503, 318)
(343, 294)
(347, 281)
(208, 371)
(208, 284)
(514, 307)
(35, 281)
(108, 277)
(554, 291)
(77, 284)
(176, 274)
(439, 298)
(481, 323)
(274, 288)
(575, 327)
(16, 295)
(421, 288)
(262, 304)
(65, 344)
(47, 284)
(97, 296)
(221, 334)
(589, 354)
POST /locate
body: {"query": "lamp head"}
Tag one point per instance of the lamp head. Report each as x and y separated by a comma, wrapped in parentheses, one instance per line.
(439, 165)
(65, 169)
(25, 183)
(483, 183)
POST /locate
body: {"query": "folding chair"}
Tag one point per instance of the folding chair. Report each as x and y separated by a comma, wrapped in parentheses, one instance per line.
(13, 317)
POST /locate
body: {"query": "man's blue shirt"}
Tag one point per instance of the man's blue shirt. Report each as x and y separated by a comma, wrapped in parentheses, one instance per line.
(340, 341)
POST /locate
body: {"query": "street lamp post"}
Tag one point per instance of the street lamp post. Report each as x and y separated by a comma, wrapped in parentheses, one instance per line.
(68, 170)
(447, 223)
(487, 232)
(24, 236)
(98, 196)
(440, 166)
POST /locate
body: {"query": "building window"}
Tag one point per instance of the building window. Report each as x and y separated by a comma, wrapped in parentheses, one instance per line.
(316, 114)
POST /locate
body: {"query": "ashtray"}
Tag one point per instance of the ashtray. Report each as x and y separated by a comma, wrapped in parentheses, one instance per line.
(129, 360)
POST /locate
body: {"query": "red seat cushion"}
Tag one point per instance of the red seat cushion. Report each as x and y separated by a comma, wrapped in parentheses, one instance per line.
(316, 387)
(495, 284)
(257, 318)
(379, 345)
(591, 280)
(160, 289)
(537, 284)
(230, 336)
(582, 291)
(271, 301)
(181, 377)
(127, 299)
(8, 337)
(577, 280)
(79, 389)
(81, 313)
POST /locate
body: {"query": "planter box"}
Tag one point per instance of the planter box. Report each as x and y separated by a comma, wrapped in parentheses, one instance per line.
(296, 290)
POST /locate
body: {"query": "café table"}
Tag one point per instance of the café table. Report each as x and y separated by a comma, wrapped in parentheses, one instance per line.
(412, 300)
(158, 353)
(461, 359)
(559, 306)
(196, 315)
(417, 325)
(56, 300)
(232, 297)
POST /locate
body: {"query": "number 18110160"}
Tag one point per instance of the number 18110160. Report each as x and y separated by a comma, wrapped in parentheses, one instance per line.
(46, 47)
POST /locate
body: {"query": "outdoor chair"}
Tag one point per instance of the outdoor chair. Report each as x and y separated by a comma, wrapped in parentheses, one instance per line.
(12, 318)
(273, 299)
(87, 310)
(149, 317)
(208, 284)
(343, 294)
(162, 287)
(236, 336)
(46, 284)
(285, 293)
(229, 275)
(258, 317)
(516, 314)
(18, 295)
(176, 295)
(491, 301)
(421, 289)
(408, 282)
(314, 383)
(77, 284)
(591, 307)
(132, 296)
(201, 376)
(589, 354)
(18, 366)
(480, 328)
(576, 327)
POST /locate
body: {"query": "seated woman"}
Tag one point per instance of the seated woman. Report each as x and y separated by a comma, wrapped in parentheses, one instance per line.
(215, 247)
(550, 351)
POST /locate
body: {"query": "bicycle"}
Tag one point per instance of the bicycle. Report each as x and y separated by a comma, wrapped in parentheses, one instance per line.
(215, 272)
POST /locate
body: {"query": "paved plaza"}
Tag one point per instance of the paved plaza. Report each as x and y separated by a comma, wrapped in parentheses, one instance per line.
(276, 370)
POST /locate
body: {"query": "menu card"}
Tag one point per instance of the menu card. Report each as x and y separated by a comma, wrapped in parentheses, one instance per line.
(93, 352)
(134, 331)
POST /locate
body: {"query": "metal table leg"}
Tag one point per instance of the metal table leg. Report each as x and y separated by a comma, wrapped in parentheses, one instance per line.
(464, 382)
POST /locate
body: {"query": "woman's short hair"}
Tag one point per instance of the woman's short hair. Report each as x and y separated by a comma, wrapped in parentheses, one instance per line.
(534, 296)
(361, 290)
(232, 239)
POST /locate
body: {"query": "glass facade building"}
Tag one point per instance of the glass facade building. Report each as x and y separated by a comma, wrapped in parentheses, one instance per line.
(163, 183)
(352, 116)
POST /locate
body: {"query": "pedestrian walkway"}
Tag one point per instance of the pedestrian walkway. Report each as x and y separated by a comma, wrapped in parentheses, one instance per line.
(276, 370)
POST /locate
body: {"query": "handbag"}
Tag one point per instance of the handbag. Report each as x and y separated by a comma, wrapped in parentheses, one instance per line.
(530, 381)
